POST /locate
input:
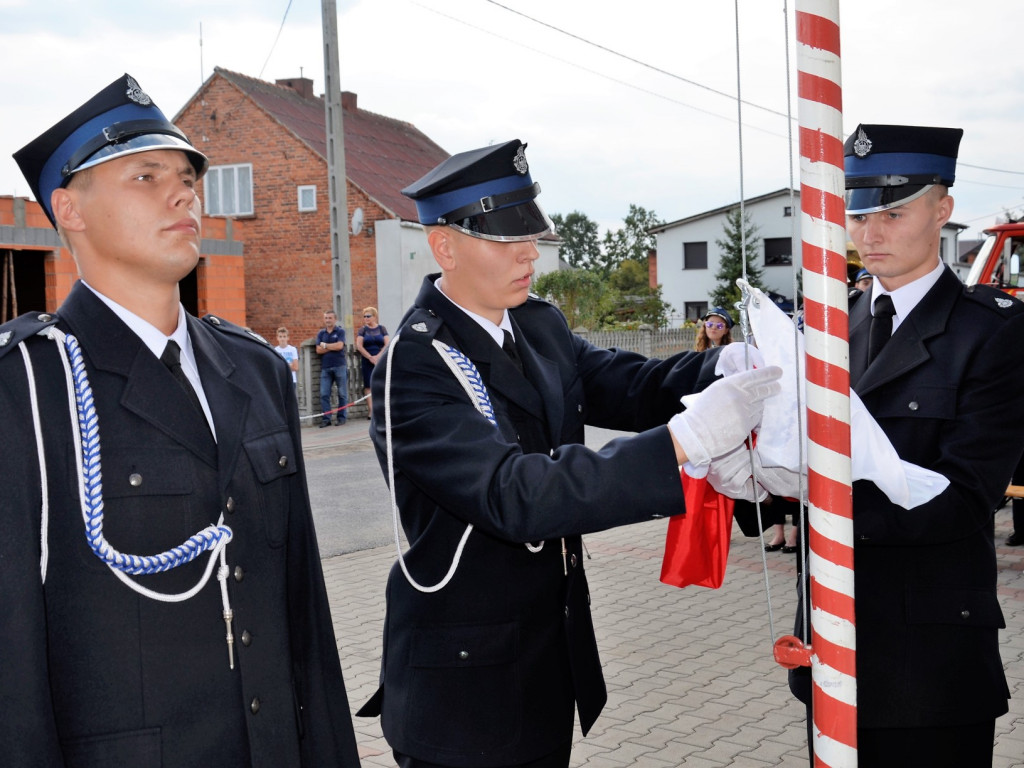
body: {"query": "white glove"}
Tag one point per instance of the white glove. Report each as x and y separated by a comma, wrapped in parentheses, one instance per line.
(723, 415)
(738, 357)
(730, 476)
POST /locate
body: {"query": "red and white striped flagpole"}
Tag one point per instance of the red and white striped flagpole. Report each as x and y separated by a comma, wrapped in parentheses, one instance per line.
(826, 328)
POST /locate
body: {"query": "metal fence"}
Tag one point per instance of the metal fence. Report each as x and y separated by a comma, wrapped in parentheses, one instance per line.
(646, 341)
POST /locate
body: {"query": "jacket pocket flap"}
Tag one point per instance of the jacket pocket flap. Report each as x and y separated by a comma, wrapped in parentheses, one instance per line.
(965, 607)
(464, 646)
(272, 456)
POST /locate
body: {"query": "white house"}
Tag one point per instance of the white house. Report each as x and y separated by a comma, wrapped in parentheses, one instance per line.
(688, 256)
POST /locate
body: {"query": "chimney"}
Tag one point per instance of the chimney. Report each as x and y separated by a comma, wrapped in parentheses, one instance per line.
(301, 85)
(348, 100)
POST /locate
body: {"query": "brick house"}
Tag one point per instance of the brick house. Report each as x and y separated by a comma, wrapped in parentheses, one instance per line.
(266, 143)
(38, 271)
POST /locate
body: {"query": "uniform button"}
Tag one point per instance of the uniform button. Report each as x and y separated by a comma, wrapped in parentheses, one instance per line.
(567, 611)
(572, 560)
(239, 573)
(229, 505)
(246, 638)
(965, 614)
(282, 462)
(463, 655)
(579, 408)
(134, 479)
(912, 405)
(44, 318)
(254, 705)
(214, 320)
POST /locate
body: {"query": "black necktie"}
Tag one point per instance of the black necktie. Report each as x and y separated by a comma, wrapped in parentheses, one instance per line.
(881, 325)
(510, 349)
(172, 359)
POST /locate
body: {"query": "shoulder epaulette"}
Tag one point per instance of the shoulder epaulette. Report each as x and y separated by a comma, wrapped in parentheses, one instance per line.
(226, 326)
(421, 326)
(14, 332)
(994, 299)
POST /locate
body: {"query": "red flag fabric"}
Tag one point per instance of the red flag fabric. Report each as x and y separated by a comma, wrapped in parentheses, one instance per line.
(697, 544)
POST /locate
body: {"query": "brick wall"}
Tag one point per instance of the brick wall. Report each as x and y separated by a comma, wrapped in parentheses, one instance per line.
(221, 283)
(287, 265)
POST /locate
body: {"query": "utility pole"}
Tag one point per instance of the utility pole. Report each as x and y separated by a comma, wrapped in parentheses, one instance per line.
(341, 263)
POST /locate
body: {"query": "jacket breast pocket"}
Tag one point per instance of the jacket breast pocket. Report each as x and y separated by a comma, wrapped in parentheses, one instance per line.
(464, 691)
(149, 503)
(918, 402)
(274, 462)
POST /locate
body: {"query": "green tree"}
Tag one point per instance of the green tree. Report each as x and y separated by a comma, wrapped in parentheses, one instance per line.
(638, 302)
(584, 297)
(632, 241)
(580, 247)
(727, 293)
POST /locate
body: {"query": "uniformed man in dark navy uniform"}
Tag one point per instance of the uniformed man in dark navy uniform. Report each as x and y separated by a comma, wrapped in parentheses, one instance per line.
(937, 364)
(163, 602)
(479, 408)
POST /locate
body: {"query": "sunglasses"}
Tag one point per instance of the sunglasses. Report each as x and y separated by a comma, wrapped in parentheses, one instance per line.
(367, 315)
(716, 326)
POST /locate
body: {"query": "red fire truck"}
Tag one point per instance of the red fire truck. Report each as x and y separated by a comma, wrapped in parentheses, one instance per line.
(999, 261)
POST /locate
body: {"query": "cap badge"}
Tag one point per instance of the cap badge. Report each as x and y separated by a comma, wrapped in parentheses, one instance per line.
(519, 161)
(5, 337)
(1004, 303)
(136, 94)
(862, 146)
(419, 327)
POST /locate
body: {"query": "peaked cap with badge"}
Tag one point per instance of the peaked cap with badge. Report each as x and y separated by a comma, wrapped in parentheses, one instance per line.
(486, 193)
(119, 120)
(890, 165)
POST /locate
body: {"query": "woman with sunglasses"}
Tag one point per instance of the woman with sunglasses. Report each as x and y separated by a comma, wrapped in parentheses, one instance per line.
(714, 329)
(371, 340)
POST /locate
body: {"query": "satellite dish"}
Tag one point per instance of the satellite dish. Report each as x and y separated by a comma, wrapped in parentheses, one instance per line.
(357, 221)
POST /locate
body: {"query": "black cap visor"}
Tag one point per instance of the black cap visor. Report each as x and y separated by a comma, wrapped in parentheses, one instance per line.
(873, 199)
(525, 221)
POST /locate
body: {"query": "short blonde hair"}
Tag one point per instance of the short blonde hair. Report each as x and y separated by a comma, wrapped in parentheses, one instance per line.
(371, 310)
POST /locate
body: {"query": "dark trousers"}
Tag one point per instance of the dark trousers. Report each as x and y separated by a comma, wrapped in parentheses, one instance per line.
(954, 746)
(557, 759)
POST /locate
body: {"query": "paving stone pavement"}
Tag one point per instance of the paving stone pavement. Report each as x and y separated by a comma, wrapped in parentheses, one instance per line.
(690, 675)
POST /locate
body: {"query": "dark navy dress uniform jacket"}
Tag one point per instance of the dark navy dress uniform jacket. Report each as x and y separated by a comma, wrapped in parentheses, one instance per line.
(93, 674)
(947, 392)
(486, 671)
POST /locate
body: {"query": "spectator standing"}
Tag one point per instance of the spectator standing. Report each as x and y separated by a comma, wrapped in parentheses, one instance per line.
(177, 439)
(714, 329)
(371, 340)
(862, 282)
(330, 345)
(288, 352)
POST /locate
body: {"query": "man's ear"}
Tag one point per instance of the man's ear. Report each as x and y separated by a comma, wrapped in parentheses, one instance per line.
(440, 241)
(945, 209)
(64, 204)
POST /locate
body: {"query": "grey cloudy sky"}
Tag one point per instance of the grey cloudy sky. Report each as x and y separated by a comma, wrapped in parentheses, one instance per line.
(620, 102)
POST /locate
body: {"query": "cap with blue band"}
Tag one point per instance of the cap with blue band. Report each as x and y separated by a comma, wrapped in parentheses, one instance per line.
(486, 193)
(119, 120)
(890, 165)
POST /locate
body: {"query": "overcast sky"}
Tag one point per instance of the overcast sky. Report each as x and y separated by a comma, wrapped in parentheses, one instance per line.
(620, 102)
